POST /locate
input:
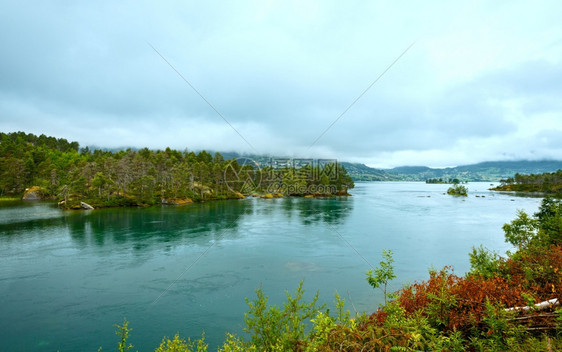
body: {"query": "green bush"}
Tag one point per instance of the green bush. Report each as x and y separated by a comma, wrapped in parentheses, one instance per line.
(179, 344)
(483, 262)
(382, 275)
(458, 190)
(276, 329)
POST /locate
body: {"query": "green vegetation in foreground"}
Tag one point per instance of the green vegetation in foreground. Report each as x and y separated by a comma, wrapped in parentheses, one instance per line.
(548, 182)
(60, 170)
(444, 313)
(458, 190)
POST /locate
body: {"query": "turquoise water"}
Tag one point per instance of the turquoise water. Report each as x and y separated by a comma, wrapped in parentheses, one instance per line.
(67, 277)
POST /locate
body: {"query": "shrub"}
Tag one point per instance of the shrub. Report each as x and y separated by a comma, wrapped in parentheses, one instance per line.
(483, 262)
(123, 332)
(275, 329)
(383, 274)
(179, 344)
(458, 190)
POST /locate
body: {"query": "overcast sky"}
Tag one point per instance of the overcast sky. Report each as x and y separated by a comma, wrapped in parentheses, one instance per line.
(483, 80)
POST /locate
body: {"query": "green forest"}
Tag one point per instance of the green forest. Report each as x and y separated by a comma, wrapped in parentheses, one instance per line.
(58, 169)
(548, 182)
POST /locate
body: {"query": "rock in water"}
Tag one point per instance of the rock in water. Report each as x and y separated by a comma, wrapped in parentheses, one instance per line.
(176, 201)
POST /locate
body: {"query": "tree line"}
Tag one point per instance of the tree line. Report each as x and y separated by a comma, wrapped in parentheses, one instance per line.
(62, 170)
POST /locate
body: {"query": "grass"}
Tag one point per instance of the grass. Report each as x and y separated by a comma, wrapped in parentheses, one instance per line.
(8, 199)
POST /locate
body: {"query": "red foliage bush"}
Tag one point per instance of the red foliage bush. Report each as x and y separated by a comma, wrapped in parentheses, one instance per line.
(456, 303)
(457, 306)
(539, 274)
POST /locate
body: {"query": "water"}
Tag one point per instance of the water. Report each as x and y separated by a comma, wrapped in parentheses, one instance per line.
(67, 277)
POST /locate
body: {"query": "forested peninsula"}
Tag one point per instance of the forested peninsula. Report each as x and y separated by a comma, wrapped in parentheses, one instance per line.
(548, 183)
(54, 168)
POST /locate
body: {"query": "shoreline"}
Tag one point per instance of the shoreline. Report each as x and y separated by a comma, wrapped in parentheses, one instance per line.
(85, 204)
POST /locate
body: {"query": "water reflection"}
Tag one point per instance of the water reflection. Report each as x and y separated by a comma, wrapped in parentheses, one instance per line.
(24, 217)
(332, 210)
(140, 228)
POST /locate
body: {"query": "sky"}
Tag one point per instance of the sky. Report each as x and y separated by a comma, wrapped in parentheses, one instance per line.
(451, 83)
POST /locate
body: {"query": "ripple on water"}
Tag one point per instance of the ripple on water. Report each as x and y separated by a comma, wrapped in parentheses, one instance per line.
(296, 266)
(65, 252)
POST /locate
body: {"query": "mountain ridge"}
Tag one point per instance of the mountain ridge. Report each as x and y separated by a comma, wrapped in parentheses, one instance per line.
(483, 171)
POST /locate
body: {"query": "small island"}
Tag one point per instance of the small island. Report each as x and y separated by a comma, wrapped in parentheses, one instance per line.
(458, 190)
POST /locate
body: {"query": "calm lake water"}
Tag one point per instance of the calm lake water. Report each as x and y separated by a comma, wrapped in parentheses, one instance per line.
(67, 277)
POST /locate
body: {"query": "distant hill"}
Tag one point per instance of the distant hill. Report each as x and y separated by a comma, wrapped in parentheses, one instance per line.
(508, 168)
(485, 171)
(361, 172)
(410, 170)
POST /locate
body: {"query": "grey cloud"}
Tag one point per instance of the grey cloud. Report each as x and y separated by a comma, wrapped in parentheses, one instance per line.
(281, 75)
